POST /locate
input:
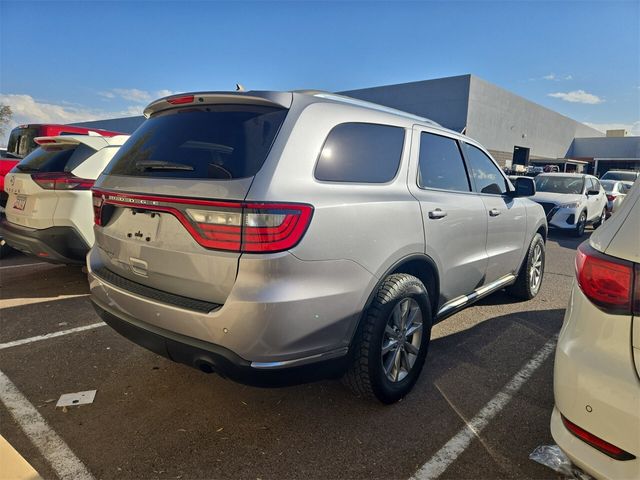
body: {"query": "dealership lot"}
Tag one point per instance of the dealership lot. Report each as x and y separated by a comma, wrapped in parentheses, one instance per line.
(152, 418)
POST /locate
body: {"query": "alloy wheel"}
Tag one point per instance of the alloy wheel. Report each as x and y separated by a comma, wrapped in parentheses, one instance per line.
(535, 271)
(401, 339)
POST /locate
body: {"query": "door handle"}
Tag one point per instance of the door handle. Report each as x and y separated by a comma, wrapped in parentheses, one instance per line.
(494, 212)
(437, 213)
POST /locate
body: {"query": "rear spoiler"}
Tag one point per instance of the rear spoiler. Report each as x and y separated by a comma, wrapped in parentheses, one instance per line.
(271, 99)
(93, 140)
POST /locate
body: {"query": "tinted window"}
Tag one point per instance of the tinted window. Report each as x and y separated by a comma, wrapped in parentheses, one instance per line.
(21, 141)
(441, 164)
(360, 152)
(486, 175)
(596, 184)
(55, 158)
(219, 142)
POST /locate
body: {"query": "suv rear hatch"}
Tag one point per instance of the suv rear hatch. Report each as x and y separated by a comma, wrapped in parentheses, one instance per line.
(170, 204)
(35, 184)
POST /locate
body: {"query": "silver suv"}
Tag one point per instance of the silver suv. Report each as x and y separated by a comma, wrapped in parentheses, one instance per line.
(277, 238)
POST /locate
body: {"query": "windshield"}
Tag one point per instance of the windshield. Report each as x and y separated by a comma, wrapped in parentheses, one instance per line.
(55, 158)
(220, 142)
(624, 176)
(21, 141)
(559, 184)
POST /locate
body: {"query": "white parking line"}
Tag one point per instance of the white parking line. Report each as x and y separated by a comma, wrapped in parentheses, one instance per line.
(459, 443)
(47, 336)
(51, 446)
(28, 265)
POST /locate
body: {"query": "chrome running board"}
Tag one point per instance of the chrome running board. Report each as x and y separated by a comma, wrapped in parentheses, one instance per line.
(463, 301)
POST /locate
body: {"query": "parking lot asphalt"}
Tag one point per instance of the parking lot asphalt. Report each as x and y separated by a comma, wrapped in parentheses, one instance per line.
(152, 418)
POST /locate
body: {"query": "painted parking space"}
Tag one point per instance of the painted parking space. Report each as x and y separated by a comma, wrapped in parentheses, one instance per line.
(155, 419)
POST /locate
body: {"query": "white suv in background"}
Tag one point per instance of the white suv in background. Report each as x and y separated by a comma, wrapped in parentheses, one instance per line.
(571, 201)
(49, 212)
(596, 419)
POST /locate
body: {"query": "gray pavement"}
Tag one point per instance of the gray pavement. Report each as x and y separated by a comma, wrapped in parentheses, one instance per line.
(155, 419)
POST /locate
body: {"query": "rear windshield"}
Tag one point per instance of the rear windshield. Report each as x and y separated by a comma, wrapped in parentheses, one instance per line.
(624, 176)
(220, 142)
(55, 158)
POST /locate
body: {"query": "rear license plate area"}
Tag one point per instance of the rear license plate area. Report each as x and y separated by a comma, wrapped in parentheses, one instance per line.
(141, 225)
(20, 202)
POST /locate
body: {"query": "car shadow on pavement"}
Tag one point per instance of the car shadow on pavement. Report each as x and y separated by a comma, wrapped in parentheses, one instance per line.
(196, 425)
(42, 281)
(567, 240)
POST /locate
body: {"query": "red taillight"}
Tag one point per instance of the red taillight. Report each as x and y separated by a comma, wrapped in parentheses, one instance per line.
(232, 226)
(61, 181)
(98, 201)
(606, 281)
(181, 100)
(596, 442)
(611, 198)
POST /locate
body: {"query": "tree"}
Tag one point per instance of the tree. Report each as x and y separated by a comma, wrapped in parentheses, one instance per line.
(5, 117)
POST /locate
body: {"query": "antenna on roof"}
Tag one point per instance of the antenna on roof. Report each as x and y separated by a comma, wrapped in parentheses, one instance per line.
(240, 87)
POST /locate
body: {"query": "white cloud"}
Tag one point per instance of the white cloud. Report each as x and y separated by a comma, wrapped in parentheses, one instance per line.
(577, 96)
(26, 109)
(557, 78)
(633, 128)
(135, 94)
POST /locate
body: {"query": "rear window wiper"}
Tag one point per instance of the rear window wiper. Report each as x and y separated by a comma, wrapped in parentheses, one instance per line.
(162, 165)
(26, 168)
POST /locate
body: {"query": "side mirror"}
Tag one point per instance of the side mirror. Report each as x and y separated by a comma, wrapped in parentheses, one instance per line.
(525, 187)
(591, 193)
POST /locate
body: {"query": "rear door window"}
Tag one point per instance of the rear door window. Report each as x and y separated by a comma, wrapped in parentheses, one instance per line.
(221, 142)
(360, 153)
(55, 158)
(441, 164)
(486, 175)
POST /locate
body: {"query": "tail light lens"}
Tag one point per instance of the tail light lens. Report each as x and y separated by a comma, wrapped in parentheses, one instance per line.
(596, 442)
(231, 226)
(611, 198)
(61, 181)
(608, 281)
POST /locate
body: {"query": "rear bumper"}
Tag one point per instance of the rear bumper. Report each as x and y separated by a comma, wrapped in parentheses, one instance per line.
(54, 244)
(597, 387)
(282, 312)
(211, 358)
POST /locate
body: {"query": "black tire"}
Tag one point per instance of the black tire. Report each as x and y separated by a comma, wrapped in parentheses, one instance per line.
(580, 225)
(5, 250)
(366, 376)
(524, 287)
(601, 219)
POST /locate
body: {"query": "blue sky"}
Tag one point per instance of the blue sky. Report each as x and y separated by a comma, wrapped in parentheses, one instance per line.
(72, 61)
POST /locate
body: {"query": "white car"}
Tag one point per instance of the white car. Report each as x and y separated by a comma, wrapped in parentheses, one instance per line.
(571, 201)
(616, 193)
(49, 212)
(621, 175)
(596, 419)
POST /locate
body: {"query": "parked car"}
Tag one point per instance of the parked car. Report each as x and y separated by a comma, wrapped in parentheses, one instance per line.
(571, 201)
(596, 419)
(49, 212)
(21, 143)
(616, 193)
(278, 237)
(621, 175)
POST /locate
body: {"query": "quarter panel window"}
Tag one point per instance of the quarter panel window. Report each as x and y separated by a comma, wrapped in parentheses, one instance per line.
(441, 164)
(360, 152)
(487, 177)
